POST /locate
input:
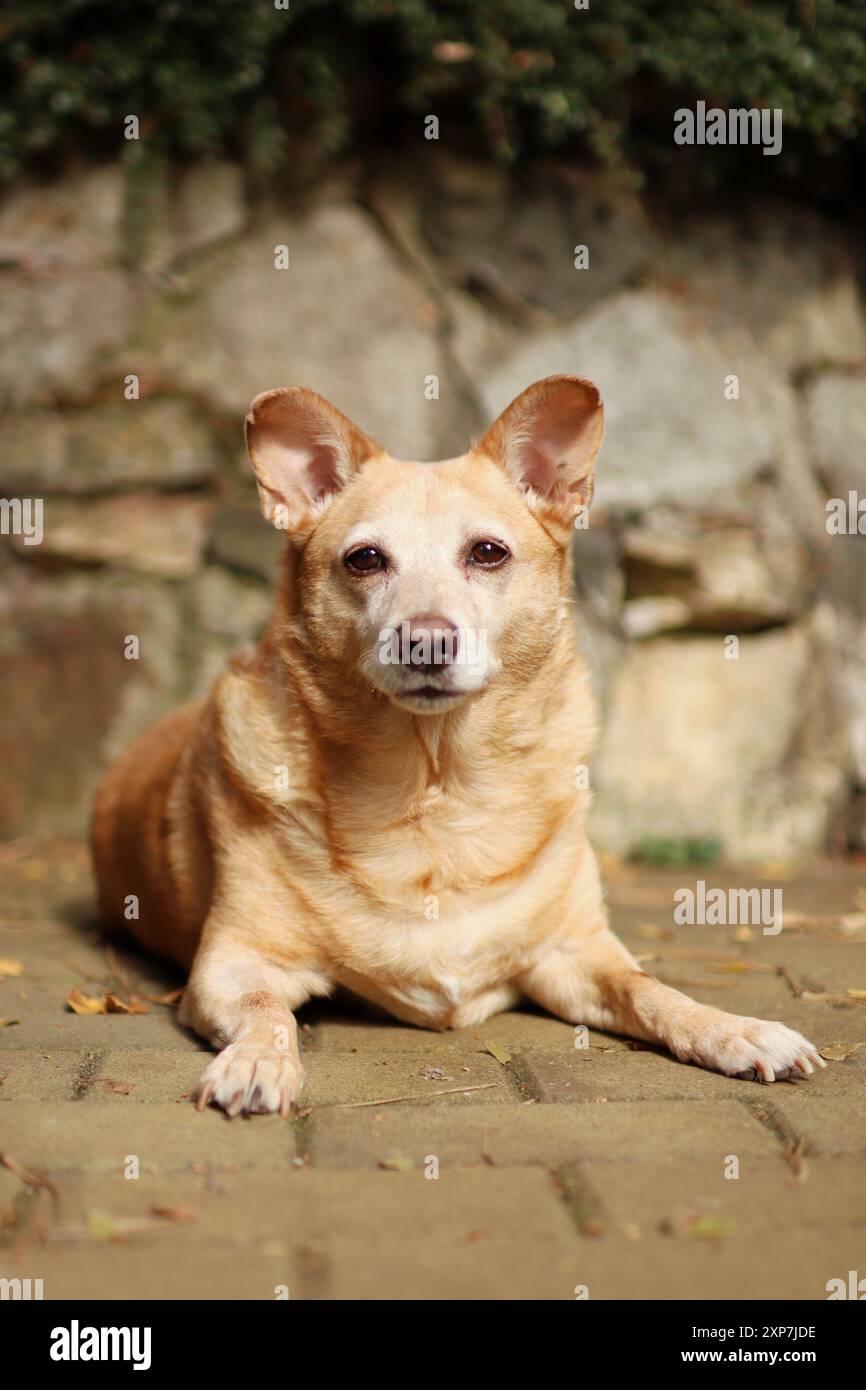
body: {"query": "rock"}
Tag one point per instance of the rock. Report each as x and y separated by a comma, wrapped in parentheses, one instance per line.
(179, 213)
(230, 613)
(242, 539)
(345, 319)
(782, 273)
(750, 752)
(645, 617)
(140, 531)
(836, 413)
(697, 572)
(515, 238)
(72, 222)
(209, 206)
(59, 333)
(227, 606)
(672, 438)
(159, 443)
(71, 698)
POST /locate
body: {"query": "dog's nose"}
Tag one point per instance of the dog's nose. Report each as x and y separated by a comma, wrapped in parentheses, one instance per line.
(433, 642)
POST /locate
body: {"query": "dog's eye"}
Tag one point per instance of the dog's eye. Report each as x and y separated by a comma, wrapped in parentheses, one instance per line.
(366, 560)
(488, 554)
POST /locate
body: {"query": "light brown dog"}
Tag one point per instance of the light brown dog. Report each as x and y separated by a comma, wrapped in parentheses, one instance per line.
(384, 796)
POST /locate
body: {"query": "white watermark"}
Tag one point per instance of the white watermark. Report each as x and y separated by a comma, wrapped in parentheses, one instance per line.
(22, 516)
(737, 126)
(732, 907)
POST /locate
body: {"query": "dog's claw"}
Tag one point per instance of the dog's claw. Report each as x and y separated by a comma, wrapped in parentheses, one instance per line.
(250, 1079)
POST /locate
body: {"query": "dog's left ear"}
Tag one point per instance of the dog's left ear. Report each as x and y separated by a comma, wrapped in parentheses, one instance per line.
(546, 441)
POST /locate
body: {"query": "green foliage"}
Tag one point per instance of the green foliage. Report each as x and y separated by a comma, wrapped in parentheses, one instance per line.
(515, 76)
(660, 853)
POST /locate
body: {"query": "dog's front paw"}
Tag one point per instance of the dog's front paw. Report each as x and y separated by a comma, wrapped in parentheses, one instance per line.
(249, 1078)
(755, 1050)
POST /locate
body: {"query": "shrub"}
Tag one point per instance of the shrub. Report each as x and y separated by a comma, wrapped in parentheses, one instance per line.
(514, 77)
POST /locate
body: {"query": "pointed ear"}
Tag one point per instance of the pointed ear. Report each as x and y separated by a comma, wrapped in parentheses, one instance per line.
(546, 441)
(303, 451)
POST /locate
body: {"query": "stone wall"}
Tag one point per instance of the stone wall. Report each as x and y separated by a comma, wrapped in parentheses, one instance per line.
(709, 519)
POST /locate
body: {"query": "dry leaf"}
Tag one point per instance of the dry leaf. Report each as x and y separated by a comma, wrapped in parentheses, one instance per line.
(10, 967)
(744, 934)
(856, 993)
(173, 1213)
(170, 999)
(84, 1003)
(119, 1088)
(398, 1164)
(837, 1052)
(648, 931)
(9, 1022)
(498, 1052)
(103, 1004)
(113, 1005)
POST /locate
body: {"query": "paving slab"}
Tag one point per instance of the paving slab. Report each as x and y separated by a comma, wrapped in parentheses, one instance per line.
(98, 1137)
(710, 1198)
(357, 1079)
(548, 1135)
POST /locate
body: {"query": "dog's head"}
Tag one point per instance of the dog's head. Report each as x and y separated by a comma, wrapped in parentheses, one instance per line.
(429, 580)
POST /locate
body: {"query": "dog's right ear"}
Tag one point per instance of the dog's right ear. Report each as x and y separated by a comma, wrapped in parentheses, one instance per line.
(303, 451)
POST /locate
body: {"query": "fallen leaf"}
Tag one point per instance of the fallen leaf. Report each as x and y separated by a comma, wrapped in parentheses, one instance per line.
(648, 931)
(170, 999)
(498, 1052)
(114, 1005)
(101, 1226)
(398, 1164)
(856, 993)
(120, 1088)
(173, 1213)
(698, 1225)
(103, 1004)
(10, 967)
(9, 1022)
(837, 1052)
(744, 934)
(711, 1228)
(85, 1003)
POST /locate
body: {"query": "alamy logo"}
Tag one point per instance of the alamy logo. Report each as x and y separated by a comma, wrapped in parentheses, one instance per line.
(846, 517)
(715, 907)
(76, 1343)
(20, 1289)
(854, 1288)
(431, 646)
(22, 516)
(737, 126)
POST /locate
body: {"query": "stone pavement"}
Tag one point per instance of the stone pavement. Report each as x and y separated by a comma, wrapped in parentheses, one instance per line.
(521, 1167)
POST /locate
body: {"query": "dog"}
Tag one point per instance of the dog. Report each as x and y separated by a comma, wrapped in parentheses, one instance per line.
(383, 795)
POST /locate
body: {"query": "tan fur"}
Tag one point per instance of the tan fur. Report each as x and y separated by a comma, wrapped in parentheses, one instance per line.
(430, 858)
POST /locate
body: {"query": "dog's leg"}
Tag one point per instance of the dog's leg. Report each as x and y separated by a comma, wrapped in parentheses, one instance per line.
(243, 1003)
(592, 979)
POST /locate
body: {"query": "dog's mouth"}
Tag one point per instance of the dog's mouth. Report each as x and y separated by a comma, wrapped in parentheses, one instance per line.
(430, 692)
(426, 697)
